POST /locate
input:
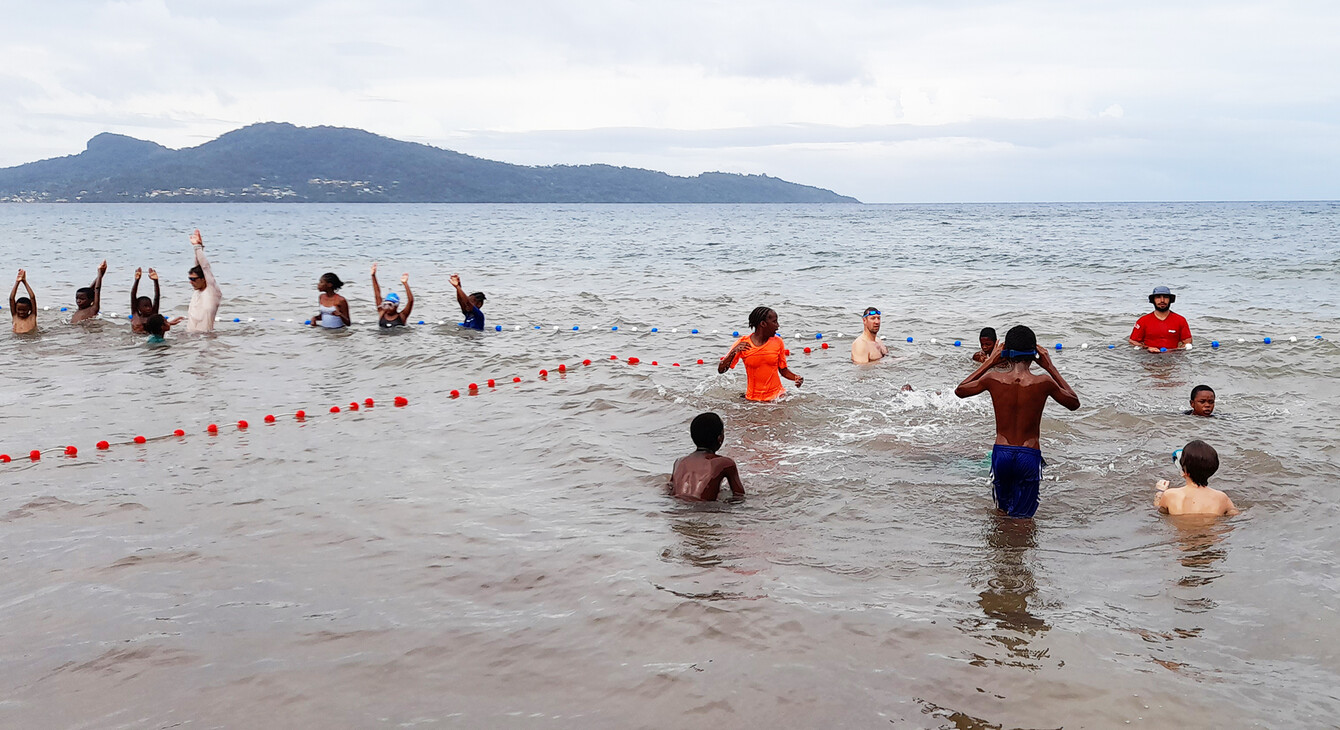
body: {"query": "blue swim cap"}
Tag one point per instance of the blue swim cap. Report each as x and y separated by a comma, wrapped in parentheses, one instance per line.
(392, 298)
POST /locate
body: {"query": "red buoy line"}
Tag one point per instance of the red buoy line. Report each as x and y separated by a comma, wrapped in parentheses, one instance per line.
(300, 416)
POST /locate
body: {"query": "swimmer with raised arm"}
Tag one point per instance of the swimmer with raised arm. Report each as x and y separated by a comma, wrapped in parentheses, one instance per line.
(764, 356)
(142, 308)
(333, 309)
(1018, 396)
(389, 313)
(698, 476)
(88, 299)
(1199, 461)
(1202, 402)
(868, 347)
(470, 305)
(206, 295)
(23, 310)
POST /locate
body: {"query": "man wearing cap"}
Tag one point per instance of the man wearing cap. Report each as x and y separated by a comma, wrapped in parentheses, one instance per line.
(1161, 329)
(868, 347)
(474, 319)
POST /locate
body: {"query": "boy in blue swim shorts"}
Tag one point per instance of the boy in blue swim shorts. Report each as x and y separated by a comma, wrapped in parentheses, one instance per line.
(1018, 396)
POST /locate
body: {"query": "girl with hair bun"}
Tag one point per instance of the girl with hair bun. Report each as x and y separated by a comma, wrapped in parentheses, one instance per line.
(334, 309)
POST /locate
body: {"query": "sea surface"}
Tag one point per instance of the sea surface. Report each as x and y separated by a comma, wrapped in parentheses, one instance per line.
(508, 558)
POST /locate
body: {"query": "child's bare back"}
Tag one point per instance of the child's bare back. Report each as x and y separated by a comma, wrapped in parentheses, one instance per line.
(698, 476)
(1199, 461)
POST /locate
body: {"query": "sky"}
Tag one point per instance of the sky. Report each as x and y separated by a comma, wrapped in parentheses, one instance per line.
(923, 101)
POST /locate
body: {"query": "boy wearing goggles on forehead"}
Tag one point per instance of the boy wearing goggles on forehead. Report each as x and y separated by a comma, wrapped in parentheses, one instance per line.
(868, 347)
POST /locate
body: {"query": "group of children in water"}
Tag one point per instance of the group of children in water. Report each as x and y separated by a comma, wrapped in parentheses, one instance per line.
(333, 309)
(1018, 397)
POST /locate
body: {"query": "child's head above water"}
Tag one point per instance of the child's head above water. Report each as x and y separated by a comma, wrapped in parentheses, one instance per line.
(156, 325)
(1199, 462)
(83, 297)
(1202, 400)
(391, 303)
(1021, 345)
(708, 431)
(23, 307)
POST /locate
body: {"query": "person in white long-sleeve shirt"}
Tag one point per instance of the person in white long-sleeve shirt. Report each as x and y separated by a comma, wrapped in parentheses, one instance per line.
(206, 297)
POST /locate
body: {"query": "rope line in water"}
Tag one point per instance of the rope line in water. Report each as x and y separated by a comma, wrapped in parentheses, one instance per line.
(944, 342)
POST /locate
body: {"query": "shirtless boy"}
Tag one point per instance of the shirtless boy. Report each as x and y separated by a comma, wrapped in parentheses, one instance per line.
(88, 299)
(868, 347)
(987, 339)
(1195, 497)
(142, 308)
(698, 476)
(23, 310)
(1018, 396)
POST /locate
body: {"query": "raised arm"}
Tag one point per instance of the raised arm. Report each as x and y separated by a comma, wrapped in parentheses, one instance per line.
(973, 384)
(376, 288)
(97, 287)
(13, 293)
(135, 289)
(153, 276)
(198, 243)
(409, 298)
(467, 306)
(1063, 393)
(23, 277)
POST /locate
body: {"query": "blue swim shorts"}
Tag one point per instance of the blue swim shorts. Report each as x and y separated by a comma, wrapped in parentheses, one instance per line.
(1015, 473)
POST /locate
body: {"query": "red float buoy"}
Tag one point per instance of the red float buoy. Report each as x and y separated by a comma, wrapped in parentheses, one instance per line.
(334, 409)
(269, 418)
(633, 361)
(179, 432)
(544, 373)
(71, 451)
(140, 439)
(586, 362)
(369, 402)
(516, 380)
(242, 424)
(455, 394)
(400, 401)
(103, 446)
(353, 405)
(824, 345)
(807, 351)
(562, 368)
(4, 458)
(300, 415)
(492, 384)
(674, 364)
(212, 428)
(614, 357)
(34, 455)
(474, 386)
(700, 362)
(653, 362)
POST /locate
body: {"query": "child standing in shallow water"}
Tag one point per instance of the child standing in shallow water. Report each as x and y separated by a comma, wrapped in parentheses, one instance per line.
(1199, 462)
(698, 476)
(23, 310)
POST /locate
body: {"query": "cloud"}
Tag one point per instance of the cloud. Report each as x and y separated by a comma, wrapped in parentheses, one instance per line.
(1128, 99)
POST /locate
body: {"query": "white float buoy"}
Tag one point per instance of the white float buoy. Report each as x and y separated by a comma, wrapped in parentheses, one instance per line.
(1293, 339)
(934, 341)
(514, 329)
(633, 329)
(1188, 345)
(288, 320)
(1084, 346)
(1240, 341)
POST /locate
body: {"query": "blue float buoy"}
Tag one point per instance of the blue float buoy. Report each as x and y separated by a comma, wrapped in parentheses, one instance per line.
(818, 335)
(574, 328)
(695, 332)
(1215, 343)
(420, 321)
(537, 326)
(307, 321)
(64, 309)
(1058, 345)
(737, 334)
(1163, 349)
(653, 329)
(1266, 340)
(1111, 347)
(1318, 337)
(497, 328)
(909, 339)
(958, 343)
(237, 319)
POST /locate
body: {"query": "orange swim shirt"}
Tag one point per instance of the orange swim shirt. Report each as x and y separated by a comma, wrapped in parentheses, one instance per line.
(761, 364)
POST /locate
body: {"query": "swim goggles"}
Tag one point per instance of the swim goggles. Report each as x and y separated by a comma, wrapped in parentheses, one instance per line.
(1019, 353)
(1177, 456)
(871, 312)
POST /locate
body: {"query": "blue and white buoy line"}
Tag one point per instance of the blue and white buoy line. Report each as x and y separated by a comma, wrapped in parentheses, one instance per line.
(705, 332)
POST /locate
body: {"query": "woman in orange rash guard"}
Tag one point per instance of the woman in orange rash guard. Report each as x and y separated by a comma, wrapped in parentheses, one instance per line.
(764, 357)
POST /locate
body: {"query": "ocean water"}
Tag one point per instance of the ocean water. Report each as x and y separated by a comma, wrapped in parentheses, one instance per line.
(508, 558)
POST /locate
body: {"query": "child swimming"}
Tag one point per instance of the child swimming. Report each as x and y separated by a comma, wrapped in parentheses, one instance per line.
(23, 310)
(141, 308)
(1199, 461)
(698, 476)
(388, 312)
(156, 325)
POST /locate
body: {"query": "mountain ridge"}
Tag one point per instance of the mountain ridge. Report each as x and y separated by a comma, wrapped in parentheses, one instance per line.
(281, 162)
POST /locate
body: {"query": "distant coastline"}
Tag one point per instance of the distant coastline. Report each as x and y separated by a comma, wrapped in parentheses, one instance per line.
(280, 163)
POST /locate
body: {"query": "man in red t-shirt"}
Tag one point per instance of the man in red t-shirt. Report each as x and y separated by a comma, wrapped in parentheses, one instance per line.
(1161, 329)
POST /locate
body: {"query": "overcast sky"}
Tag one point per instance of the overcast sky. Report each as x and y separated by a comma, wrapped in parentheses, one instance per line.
(942, 100)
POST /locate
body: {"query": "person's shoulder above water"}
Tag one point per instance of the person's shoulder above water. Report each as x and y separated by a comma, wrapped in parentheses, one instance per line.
(697, 477)
(1198, 461)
